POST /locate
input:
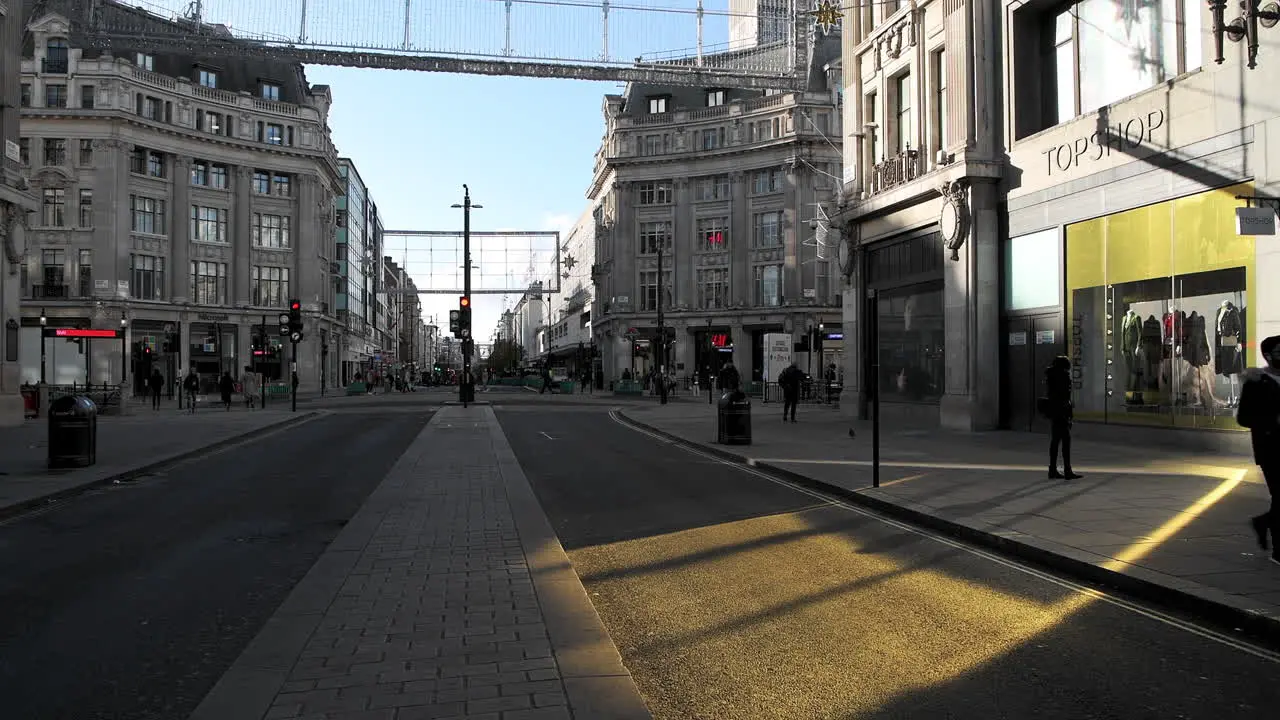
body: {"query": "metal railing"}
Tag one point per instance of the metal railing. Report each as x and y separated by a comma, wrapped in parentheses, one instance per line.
(49, 292)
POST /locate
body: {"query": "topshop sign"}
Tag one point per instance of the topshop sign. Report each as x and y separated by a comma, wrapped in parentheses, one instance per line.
(1123, 137)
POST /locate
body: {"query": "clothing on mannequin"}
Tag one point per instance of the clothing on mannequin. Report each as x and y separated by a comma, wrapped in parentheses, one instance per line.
(1229, 347)
(1131, 350)
(1151, 352)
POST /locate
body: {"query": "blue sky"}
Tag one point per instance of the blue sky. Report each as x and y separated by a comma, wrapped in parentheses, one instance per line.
(525, 146)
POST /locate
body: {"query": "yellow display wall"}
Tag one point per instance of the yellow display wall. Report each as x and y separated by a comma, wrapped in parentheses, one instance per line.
(1160, 263)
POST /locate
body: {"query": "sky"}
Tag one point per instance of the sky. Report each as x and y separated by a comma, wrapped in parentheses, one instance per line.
(524, 146)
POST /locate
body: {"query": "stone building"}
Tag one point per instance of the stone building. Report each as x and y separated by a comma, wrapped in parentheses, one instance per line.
(731, 186)
(183, 199)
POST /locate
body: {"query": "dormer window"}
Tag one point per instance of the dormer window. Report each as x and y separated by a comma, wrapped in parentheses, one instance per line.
(55, 57)
(207, 78)
(715, 98)
(658, 105)
(270, 91)
(145, 61)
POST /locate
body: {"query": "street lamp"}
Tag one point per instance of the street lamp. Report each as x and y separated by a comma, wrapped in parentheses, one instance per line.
(124, 350)
(44, 320)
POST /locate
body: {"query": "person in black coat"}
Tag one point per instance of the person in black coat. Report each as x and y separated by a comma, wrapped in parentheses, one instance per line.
(1260, 412)
(1060, 411)
(789, 380)
(228, 387)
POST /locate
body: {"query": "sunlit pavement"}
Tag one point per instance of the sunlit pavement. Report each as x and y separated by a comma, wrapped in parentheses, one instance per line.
(1175, 529)
(731, 596)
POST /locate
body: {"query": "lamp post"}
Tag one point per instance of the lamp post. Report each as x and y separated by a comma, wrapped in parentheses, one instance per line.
(710, 349)
(44, 320)
(662, 332)
(124, 349)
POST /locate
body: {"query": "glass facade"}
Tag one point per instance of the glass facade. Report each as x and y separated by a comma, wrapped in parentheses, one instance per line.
(910, 343)
(1162, 310)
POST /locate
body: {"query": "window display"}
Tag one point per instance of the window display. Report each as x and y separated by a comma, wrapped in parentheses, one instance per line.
(911, 339)
(1159, 303)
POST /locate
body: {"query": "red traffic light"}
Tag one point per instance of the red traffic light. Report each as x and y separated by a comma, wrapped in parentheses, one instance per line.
(295, 305)
(464, 301)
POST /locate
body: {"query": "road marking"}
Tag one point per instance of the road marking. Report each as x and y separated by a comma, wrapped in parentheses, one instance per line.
(1084, 590)
(547, 436)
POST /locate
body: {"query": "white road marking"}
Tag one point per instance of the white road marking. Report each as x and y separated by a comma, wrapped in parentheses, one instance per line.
(1158, 616)
(547, 436)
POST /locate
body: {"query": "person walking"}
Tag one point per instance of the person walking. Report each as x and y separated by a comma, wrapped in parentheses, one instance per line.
(227, 387)
(156, 384)
(191, 386)
(728, 379)
(789, 380)
(1057, 406)
(1259, 410)
(249, 386)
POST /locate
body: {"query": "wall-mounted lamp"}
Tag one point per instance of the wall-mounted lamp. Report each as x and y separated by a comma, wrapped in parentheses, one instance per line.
(44, 319)
(1253, 14)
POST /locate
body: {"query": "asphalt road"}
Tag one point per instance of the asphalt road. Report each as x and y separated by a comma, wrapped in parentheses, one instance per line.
(130, 603)
(732, 597)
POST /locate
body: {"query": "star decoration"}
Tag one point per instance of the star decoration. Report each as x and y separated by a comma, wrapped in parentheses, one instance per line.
(828, 16)
(565, 275)
(569, 262)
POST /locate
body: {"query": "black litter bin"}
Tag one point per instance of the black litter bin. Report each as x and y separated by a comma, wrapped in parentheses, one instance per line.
(733, 419)
(73, 432)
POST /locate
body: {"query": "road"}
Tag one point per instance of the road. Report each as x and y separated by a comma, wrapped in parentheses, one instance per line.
(731, 596)
(131, 602)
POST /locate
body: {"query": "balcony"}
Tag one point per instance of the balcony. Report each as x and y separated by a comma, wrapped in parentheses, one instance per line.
(54, 65)
(895, 171)
(50, 292)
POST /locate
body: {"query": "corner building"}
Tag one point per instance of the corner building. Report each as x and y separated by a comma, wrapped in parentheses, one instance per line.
(729, 183)
(185, 199)
(1122, 250)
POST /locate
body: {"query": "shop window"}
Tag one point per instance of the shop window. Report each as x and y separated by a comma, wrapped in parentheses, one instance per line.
(1033, 271)
(1161, 302)
(910, 343)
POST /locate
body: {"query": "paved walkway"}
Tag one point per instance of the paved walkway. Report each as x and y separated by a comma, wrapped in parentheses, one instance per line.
(446, 596)
(1170, 525)
(128, 446)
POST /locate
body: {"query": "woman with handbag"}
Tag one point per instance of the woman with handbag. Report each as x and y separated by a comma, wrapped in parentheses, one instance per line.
(1057, 406)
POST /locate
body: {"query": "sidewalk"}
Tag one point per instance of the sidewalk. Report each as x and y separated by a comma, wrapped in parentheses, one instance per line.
(128, 446)
(448, 595)
(1173, 528)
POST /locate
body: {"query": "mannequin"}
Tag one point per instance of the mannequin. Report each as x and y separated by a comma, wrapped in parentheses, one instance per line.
(1228, 354)
(1196, 351)
(1132, 351)
(1152, 352)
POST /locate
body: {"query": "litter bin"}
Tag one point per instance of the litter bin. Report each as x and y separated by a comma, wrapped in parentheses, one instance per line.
(733, 419)
(73, 432)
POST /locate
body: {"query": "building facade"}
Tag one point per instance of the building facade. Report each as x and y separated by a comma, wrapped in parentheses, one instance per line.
(358, 265)
(16, 202)
(731, 187)
(1123, 250)
(184, 200)
(921, 213)
(564, 341)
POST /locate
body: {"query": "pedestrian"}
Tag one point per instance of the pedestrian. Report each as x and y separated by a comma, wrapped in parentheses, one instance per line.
(789, 381)
(728, 380)
(1259, 410)
(227, 387)
(156, 382)
(1057, 407)
(191, 386)
(546, 381)
(249, 386)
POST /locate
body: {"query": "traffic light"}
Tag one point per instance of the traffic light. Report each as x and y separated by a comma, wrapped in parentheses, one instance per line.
(295, 321)
(464, 316)
(819, 334)
(455, 322)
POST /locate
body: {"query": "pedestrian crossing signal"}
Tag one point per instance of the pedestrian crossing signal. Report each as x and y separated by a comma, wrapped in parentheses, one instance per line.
(455, 322)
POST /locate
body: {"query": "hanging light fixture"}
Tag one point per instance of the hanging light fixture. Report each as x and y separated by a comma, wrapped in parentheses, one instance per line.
(1252, 14)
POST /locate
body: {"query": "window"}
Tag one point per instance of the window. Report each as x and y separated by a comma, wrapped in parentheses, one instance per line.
(270, 91)
(270, 231)
(764, 182)
(905, 129)
(654, 235)
(658, 193)
(1089, 59)
(261, 182)
(53, 213)
(213, 122)
(26, 95)
(207, 78)
(55, 56)
(55, 151)
(280, 185)
(53, 268)
(145, 61)
(86, 153)
(146, 162)
(713, 234)
(762, 130)
(147, 215)
(209, 283)
(24, 150)
(649, 289)
(86, 208)
(55, 96)
(911, 343)
(199, 173)
(147, 281)
(713, 288)
(152, 108)
(88, 97)
(208, 224)
(712, 187)
(218, 177)
(155, 165)
(658, 105)
(271, 133)
(768, 281)
(712, 138)
(270, 286)
(84, 270)
(940, 100)
(767, 230)
(655, 144)
(715, 98)
(872, 128)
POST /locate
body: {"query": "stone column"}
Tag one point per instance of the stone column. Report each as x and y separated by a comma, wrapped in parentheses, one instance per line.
(741, 350)
(739, 242)
(308, 245)
(682, 271)
(112, 216)
(241, 236)
(180, 233)
(624, 246)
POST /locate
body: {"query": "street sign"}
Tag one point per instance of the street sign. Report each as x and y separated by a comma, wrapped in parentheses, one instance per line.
(777, 355)
(296, 337)
(82, 333)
